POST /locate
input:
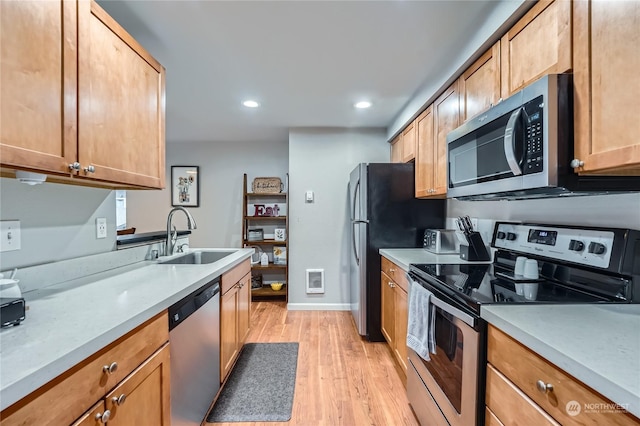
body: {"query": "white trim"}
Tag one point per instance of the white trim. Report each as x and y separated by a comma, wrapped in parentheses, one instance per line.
(319, 306)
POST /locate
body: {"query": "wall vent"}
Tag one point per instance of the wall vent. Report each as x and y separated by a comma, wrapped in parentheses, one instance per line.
(315, 280)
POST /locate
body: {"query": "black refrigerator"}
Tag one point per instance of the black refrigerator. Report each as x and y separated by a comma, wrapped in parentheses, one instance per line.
(384, 214)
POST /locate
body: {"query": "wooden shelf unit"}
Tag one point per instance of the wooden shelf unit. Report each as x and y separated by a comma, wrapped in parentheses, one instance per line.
(249, 221)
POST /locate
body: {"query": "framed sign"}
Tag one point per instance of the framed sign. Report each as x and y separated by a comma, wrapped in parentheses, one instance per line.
(185, 186)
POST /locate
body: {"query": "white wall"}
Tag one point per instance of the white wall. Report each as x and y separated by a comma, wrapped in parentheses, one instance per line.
(222, 165)
(321, 160)
(57, 221)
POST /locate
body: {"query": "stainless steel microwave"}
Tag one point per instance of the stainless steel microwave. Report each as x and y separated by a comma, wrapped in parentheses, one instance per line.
(522, 148)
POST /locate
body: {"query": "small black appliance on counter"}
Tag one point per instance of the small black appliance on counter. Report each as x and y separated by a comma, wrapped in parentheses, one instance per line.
(11, 311)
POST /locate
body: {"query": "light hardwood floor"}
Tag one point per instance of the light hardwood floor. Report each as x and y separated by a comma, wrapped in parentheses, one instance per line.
(341, 379)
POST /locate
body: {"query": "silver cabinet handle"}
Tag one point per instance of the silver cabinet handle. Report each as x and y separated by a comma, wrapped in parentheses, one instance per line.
(544, 387)
(74, 166)
(109, 369)
(89, 169)
(119, 400)
(392, 270)
(576, 163)
(103, 417)
(392, 285)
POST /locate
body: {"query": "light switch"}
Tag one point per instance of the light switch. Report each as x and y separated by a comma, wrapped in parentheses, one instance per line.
(9, 235)
(309, 197)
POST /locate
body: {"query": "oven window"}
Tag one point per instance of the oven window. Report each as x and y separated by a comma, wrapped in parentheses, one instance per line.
(446, 364)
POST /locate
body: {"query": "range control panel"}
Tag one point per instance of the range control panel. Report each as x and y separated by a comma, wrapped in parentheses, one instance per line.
(585, 246)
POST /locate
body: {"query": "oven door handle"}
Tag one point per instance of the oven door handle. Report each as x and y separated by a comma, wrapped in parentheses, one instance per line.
(454, 312)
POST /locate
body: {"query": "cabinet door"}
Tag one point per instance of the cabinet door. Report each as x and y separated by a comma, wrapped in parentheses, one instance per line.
(480, 84)
(401, 320)
(228, 331)
(396, 149)
(606, 63)
(409, 143)
(143, 397)
(94, 417)
(538, 44)
(38, 79)
(446, 118)
(425, 155)
(388, 310)
(244, 308)
(121, 103)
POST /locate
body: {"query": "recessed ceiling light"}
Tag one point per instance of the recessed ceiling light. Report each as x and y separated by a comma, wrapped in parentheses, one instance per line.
(362, 104)
(251, 104)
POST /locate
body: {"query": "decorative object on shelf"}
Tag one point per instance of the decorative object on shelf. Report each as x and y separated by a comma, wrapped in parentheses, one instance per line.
(185, 186)
(255, 234)
(279, 255)
(256, 281)
(268, 211)
(258, 209)
(266, 185)
(276, 286)
(276, 210)
(257, 252)
(280, 234)
(264, 259)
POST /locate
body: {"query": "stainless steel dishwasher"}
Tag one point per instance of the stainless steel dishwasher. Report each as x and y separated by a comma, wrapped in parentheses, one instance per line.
(194, 336)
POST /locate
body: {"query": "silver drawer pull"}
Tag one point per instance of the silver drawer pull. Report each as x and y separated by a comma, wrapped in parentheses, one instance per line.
(109, 369)
(103, 417)
(119, 400)
(544, 387)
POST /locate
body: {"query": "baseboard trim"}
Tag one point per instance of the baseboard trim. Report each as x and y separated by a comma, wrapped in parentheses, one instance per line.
(319, 306)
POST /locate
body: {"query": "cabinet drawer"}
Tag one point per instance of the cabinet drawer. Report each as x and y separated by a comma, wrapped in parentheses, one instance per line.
(396, 273)
(67, 397)
(525, 368)
(510, 405)
(234, 276)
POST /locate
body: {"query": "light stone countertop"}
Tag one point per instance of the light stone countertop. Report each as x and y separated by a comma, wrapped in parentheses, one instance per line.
(66, 323)
(406, 256)
(597, 344)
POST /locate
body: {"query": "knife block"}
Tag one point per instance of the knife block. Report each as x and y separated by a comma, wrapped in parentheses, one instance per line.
(476, 250)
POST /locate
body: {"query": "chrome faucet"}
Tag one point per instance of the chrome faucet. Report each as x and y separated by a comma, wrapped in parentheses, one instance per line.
(171, 237)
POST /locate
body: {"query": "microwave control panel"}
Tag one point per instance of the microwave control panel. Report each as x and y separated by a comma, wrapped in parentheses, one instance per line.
(534, 146)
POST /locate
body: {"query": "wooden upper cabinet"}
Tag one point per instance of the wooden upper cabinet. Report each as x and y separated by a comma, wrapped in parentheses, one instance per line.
(446, 113)
(38, 85)
(396, 149)
(121, 103)
(606, 57)
(538, 44)
(480, 84)
(425, 154)
(409, 143)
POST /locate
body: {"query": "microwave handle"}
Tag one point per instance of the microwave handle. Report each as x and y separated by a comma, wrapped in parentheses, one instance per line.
(509, 147)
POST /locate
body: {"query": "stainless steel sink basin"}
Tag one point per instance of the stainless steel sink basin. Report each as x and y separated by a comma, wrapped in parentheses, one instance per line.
(198, 257)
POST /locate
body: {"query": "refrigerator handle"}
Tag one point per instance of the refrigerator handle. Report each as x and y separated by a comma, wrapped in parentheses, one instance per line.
(354, 201)
(353, 242)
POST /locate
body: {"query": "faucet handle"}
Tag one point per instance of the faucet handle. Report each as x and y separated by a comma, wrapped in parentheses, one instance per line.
(181, 247)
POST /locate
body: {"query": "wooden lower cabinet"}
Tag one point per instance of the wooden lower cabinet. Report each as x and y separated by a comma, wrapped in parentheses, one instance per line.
(514, 398)
(136, 366)
(395, 311)
(235, 311)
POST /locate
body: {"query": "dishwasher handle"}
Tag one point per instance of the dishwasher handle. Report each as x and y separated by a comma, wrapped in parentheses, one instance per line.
(180, 311)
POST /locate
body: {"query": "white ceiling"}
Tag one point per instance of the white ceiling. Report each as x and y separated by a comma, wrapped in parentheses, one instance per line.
(306, 62)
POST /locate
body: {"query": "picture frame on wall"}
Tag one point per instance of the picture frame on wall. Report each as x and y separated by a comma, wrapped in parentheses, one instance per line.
(185, 186)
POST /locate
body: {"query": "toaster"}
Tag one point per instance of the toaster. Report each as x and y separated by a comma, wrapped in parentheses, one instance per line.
(11, 311)
(440, 241)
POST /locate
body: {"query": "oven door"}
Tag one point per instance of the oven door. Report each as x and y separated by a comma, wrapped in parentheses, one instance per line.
(451, 377)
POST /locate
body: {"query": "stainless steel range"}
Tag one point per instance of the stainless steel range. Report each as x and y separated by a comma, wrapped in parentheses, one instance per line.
(534, 263)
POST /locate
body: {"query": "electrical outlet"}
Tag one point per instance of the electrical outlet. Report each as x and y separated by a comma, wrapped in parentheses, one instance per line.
(474, 223)
(9, 235)
(101, 227)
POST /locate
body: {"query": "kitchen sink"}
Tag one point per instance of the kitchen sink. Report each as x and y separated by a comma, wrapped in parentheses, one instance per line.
(198, 257)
